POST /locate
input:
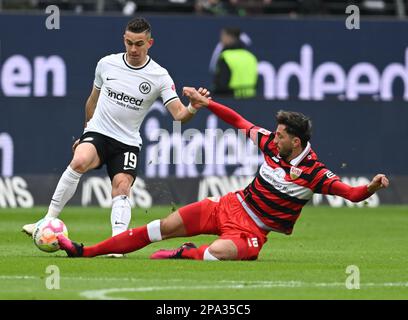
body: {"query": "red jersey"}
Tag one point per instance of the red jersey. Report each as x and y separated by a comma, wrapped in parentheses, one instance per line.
(280, 190)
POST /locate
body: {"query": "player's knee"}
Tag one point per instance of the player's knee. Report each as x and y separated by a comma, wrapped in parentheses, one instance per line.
(172, 226)
(223, 250)
(80, 164)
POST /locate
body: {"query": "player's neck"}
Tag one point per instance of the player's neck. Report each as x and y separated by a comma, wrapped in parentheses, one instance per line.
(294, 155)
(136, 64)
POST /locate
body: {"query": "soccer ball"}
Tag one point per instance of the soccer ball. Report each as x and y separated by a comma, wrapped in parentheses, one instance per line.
(45, 234)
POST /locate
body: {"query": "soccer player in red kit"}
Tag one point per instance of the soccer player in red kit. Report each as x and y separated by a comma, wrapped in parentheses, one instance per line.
(285, 182)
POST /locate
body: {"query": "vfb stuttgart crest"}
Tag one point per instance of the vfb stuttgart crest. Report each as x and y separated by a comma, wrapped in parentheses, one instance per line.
(145, 87)
(295, 173)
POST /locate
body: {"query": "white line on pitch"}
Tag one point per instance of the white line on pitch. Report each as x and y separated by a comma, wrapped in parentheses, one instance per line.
(266, 282)
(104, 294)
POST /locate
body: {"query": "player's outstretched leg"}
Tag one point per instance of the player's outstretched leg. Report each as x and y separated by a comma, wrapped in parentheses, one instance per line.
(85, 158)
(125, 242)
(72, 248)
(65, 190)
(137, 238)
(134, 239)
(221, 249)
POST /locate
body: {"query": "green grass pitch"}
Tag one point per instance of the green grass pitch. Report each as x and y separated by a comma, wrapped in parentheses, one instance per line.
(310, 264)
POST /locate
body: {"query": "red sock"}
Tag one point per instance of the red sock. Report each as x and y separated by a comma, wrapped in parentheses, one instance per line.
(127, 241)
(194, 253)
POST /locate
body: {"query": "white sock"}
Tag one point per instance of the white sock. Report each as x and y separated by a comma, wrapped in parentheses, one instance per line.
(121, 214)
(153, 231)
(66, 188)
(208, 256)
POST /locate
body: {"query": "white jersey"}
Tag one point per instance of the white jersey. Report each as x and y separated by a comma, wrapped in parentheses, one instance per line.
(127, 93)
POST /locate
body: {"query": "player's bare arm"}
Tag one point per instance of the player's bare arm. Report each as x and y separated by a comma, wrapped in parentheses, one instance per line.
(223, 112)
(90, 106)
(182, 113)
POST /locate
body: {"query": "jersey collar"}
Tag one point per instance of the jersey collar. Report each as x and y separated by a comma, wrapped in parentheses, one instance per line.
(295, 162)
(135, 68)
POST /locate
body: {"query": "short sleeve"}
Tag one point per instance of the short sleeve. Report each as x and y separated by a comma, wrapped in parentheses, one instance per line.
(98, 76)
(168, 90)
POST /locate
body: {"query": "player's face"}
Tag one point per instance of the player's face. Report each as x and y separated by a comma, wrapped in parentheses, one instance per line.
(137, 45)
(284, 142)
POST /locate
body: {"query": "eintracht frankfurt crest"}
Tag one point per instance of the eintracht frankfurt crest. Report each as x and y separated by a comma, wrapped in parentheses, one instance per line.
(145, 87)
(295, 172)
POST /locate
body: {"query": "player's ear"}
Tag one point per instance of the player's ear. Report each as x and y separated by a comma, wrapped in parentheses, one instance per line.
(296, 142)
(151, 41)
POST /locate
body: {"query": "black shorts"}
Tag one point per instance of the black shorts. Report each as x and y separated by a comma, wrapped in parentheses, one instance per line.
(118, 157)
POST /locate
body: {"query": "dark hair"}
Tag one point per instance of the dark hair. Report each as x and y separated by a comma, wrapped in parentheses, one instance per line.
(233, 32)
(297, 124)
(139, 25)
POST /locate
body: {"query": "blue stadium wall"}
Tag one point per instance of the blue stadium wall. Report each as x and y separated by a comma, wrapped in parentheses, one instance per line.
(352, 83)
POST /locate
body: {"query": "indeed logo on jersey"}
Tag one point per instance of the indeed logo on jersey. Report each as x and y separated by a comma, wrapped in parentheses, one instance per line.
(122, 97)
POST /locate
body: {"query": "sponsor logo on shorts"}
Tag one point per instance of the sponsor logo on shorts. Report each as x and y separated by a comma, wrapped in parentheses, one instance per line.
(87, 139)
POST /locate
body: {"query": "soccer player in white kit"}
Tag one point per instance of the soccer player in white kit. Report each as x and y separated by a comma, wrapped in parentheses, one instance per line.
(125, 87)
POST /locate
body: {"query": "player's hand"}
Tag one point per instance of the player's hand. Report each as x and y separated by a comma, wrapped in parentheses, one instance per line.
(379, 181)
(198, 98)
(76, 143)
(204, 92)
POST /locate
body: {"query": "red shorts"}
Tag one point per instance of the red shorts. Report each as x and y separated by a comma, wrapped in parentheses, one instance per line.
(227, 218)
